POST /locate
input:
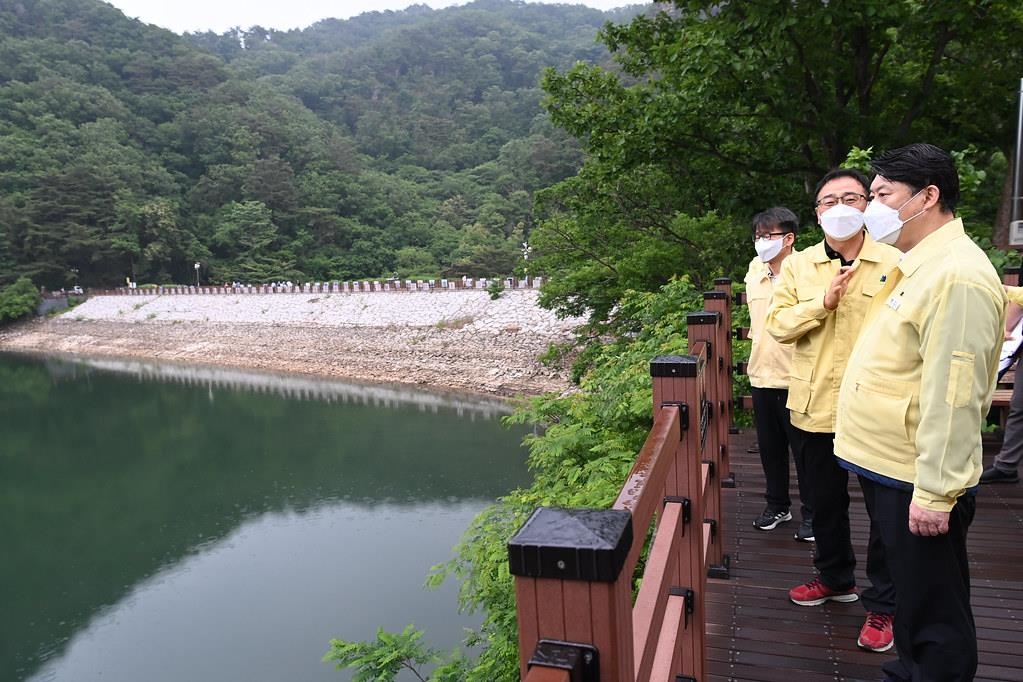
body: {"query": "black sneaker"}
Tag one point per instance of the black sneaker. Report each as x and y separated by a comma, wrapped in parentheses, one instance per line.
(993, 475)
(805, 531)
(769, 519)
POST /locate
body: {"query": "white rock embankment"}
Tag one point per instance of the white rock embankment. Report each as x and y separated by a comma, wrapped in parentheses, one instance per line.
(460, 340)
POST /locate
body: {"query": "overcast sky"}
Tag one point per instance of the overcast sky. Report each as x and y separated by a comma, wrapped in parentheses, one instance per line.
(220, 15)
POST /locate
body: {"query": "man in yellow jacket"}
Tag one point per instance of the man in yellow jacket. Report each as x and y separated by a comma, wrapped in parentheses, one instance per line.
(819, 305)
(912, 403)
(774, 238)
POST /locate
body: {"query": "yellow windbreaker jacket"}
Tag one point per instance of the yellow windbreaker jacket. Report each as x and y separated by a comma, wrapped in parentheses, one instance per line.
(769, 361)
(919, 381)
(822, 339)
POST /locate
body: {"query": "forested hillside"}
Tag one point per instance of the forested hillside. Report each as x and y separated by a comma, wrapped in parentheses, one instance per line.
(397, 142)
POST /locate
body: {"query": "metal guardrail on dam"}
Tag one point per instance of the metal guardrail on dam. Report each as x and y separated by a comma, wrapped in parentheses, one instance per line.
(365, 286)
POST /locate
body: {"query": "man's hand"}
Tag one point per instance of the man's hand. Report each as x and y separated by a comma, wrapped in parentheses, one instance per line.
(925, 522)
(839, 285)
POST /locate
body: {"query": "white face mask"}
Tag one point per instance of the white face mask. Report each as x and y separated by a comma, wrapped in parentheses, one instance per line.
(841, 221)
(883, 222)
(768, 249)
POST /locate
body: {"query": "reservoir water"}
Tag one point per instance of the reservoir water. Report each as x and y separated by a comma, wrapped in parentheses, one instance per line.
(171, 523)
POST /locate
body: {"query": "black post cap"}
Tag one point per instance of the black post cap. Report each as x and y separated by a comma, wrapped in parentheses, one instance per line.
(674, 366)
(703, 317)
(715, 295)
(572, 544)
(722, 280)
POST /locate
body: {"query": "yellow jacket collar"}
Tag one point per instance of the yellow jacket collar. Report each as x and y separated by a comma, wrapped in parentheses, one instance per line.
(871, 251)
(930, 244)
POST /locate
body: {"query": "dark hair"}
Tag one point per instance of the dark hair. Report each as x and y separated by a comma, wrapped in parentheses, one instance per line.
(778, 216)
(919, 165)
(842, 173)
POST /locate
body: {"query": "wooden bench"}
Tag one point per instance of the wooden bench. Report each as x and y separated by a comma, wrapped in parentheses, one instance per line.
(1001, 397)
(1000, 401)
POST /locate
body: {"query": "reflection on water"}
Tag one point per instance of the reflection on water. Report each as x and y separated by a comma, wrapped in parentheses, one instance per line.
(288, 386)
(151, 532)
(275, 587)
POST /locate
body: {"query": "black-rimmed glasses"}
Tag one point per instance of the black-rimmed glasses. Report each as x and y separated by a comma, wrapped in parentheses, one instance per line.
(849, 199)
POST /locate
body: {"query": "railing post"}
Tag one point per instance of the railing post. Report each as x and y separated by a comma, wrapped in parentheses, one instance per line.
(720, 300)
(569, 586)
(681, 380)
(707, 327)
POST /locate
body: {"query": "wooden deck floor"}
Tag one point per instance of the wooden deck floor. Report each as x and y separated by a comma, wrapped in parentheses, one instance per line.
(755, 633)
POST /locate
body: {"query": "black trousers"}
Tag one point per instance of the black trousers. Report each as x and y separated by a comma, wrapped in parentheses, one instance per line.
(935, 635)
(774, 437)
(829, 496)
(880, 595)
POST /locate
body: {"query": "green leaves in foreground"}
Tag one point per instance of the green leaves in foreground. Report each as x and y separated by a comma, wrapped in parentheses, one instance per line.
(586, 444)
(382, 660)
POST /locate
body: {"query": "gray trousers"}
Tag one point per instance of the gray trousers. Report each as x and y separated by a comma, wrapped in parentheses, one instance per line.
(1008, 458)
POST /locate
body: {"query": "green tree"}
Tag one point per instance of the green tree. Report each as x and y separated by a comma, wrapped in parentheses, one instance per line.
(18, 300)
(787, 89)
(600, 236)
(726, 108)
(150, 238)
(413, 262)
(245, 239)
(352, 133)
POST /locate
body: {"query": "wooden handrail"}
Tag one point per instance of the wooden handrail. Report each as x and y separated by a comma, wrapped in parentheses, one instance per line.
(574, 568)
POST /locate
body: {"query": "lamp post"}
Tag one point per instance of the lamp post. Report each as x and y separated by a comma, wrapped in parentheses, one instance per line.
(197, 266)
(1015, 222)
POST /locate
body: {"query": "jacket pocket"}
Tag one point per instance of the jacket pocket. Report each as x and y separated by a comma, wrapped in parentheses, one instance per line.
(960, 379)
(758, 294)
(807, 294)
(872, 286)
(882, 410)
(800, 381)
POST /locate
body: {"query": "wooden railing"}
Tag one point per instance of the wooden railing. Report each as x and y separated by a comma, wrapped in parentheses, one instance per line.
(574, 568)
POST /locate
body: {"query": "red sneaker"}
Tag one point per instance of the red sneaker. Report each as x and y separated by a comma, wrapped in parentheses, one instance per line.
(876, 634)
(815, 593)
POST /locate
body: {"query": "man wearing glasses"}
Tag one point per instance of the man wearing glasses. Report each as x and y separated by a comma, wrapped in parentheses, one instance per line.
(819, 305)
(774, 238)
(913, 401)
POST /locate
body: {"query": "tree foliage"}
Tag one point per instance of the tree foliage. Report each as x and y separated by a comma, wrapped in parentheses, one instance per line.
(18, 300)
(129, 151)
(392, 653)
(722, 109)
